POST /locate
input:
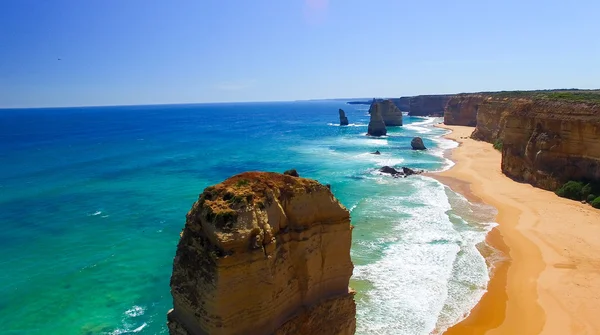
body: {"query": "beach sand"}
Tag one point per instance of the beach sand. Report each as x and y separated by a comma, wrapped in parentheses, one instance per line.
(550, 281)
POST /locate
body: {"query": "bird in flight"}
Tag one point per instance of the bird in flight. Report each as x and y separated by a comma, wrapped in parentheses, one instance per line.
(59, 59)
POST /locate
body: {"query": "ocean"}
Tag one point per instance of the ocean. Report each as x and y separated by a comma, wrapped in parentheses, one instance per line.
(92, 201)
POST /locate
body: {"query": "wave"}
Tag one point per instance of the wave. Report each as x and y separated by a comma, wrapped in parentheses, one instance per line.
(128, 326)
(429, 272)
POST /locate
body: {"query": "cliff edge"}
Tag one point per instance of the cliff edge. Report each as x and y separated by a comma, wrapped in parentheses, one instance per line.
(546, 138)
(264, 253)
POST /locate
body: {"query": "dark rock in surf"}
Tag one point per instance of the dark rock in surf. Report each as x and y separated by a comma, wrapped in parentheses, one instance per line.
(391, 170)
(417, 144)
(343, 118)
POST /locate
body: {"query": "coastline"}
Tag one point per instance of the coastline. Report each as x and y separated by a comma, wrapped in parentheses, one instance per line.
(548, 283)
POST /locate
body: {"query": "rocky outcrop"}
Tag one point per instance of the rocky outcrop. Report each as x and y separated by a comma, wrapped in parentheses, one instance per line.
(428, 105)
(376, 152)
(264, 253)
(544, 142)
(343, 118)
(410, 172)
(292, 173)
(391, 170)
(417, 143)
(376, 124)
(461, 110)
(392, 116)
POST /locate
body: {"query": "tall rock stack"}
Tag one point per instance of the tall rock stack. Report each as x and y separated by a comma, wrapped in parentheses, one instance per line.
(376, 124)
(264, 253)
(343, 118)
(391, 114)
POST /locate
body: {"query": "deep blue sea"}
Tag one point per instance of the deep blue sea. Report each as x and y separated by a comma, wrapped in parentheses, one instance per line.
(92, 201)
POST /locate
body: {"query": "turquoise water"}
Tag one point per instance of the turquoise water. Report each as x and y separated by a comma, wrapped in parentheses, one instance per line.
(92, 201)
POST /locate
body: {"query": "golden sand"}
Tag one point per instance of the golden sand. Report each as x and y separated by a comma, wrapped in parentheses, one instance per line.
(550, 282)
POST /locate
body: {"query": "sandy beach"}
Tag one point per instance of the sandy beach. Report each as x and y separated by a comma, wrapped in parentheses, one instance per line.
(550, 281)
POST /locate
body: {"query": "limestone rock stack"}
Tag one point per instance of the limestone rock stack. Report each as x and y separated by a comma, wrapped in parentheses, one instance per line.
(376, 124)
(391, 114)
(264, 253)
(343, 118)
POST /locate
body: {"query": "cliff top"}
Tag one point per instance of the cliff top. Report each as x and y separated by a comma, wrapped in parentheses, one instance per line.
(253, 188)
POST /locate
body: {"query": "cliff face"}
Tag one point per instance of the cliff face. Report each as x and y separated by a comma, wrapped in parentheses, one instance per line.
(402, 103)
(264, 253)
(461, 110)
(376, 124)
(545, 143)
(428, 105)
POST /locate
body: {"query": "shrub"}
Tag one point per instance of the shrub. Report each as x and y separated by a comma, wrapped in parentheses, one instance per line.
(586, 190)
(571, 190)
(590, 198)
(498, 145)
(596, 203)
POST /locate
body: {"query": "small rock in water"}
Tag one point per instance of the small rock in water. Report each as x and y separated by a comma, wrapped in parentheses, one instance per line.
(417, 144)
(376, 153)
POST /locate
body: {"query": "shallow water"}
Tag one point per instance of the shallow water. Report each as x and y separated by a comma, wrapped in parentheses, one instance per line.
(92, 201)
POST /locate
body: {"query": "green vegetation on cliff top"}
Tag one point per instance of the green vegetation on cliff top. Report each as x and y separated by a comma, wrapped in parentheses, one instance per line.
(571, 95)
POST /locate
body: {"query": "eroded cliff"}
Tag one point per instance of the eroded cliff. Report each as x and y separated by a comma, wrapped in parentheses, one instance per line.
(264, 253)
(428, 105)
(461, 110)
(544, 142)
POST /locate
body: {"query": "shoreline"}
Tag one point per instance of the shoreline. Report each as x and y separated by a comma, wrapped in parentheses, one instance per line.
(542, 287)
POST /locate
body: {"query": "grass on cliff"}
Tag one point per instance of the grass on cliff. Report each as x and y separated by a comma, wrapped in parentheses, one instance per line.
(571, 95)
(498, 145)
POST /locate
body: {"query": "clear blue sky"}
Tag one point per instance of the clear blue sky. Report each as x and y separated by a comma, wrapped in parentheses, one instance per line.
(146, 51)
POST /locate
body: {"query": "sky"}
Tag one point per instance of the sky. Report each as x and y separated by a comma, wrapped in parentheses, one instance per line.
(122, 52)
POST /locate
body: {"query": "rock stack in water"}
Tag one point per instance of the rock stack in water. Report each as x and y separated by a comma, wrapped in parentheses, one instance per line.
(417, 143)
(391, 114)
(264, 253)
(376, 124)
(343, 118)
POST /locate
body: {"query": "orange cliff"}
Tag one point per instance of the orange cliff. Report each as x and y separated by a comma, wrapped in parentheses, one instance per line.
(264, 253)
(544, 142)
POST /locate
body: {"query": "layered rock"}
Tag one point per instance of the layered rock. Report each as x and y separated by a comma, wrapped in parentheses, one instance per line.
(376, 124)
(461, 110)
(417, 143)
(391, 114)
(428, 105)
(343, 118)
(264, 253)
(544, 142)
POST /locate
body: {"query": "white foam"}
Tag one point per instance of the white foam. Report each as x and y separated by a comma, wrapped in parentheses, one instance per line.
(128, 327)
(135, 311)
(418, 284)
(95, 213)
(383, 159)
(421, 127)
(348, 125)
